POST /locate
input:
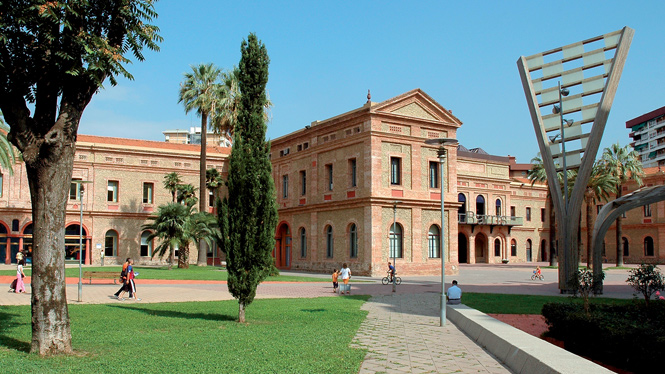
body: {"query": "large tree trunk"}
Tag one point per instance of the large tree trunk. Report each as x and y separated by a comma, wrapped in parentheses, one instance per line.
(183, 257)
(49, 184)
(202, 259)
(619, 234)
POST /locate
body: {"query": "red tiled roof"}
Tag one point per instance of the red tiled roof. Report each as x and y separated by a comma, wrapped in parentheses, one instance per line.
(149, 144)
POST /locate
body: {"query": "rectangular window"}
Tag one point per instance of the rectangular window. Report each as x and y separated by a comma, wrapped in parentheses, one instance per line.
(211, 198)
(329, 175)
(303, 182)
(512, 211)
(147, 193)
(395, 170)
(1, 184)
(528, 214)
(74, 189)
(285, 186)
(542, 214)
(647, 210)
(112, 189)
(433, 174)
(352, 172)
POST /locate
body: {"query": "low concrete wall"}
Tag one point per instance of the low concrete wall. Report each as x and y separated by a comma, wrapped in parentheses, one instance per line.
(521, 352)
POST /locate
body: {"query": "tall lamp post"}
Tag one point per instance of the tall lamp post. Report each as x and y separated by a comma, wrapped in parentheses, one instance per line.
(395, 243)
(81, 191)
(558, 109)
(442, 142)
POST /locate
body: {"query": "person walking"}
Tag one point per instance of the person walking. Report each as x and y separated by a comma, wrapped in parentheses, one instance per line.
(123, 280)
(20, 286)
(345, 273)
(335, 275)
(131, 286)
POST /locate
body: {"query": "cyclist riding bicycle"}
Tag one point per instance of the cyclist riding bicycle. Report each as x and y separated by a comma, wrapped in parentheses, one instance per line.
(391, 271)
(537, 271)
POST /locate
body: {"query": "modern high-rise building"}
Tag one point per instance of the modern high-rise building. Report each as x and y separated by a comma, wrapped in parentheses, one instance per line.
(648, 134)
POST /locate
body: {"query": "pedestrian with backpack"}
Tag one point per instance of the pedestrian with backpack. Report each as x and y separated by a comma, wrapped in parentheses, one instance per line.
(123, 280)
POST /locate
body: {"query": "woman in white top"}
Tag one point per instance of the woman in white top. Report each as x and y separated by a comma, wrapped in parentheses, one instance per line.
(345, 273)
(20, 286)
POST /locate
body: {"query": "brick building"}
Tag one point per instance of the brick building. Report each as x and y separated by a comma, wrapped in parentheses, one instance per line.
(361, 187)
(125, 188)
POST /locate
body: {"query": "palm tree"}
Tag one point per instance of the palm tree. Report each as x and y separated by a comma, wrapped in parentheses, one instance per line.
(599, 188)
(201, 91)
(7, 157)
(624, 164)
(187, 194)
(176, 226)
(226, 117)
(213, 182)
(171, 183)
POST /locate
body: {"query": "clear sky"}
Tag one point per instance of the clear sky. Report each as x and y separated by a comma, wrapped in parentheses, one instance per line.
(325, 55)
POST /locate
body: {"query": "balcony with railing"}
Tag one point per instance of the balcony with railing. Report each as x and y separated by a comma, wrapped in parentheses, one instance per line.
(473, 219)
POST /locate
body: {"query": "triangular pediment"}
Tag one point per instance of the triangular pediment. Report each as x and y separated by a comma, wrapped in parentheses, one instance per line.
(414, 110)
(416, 104)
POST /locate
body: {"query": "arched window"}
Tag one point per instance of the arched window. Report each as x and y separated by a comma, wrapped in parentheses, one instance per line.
(461, 212)
(624, 242)
(396, 241)
(433, 242)
(497, 247)
(329, 241)
(353, 241)
(528, 250)
(480, 205)
(513, 247)
(146, 245)
(111, 244)
(498, 207)
(303, 243)
(648, 246)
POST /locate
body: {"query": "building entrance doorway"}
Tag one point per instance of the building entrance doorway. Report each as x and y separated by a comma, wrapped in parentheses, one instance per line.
(282, 252)
(462, 249)
(481, 248)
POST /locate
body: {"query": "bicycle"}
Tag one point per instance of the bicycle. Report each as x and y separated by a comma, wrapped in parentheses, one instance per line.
(387, 280)
(540, 276)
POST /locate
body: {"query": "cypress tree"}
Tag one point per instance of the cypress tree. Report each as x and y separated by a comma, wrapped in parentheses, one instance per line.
(248, 216)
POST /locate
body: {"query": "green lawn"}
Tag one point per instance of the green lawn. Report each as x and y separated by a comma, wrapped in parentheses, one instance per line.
(281, 336)
(523, 304)
(193, 273)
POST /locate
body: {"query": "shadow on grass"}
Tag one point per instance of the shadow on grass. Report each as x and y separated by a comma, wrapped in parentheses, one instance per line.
(177, 314)
(8, 320)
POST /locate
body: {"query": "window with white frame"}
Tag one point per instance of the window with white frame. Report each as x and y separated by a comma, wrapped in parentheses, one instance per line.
(433, 174)
(148, 189)
(112, 192)
(395, 171)
(433, 242)
(75, 189)
(111, 243)
(146, 245)
(395, 241)
(353, 241)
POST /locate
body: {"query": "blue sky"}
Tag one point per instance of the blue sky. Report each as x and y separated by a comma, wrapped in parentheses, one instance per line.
(326, 55)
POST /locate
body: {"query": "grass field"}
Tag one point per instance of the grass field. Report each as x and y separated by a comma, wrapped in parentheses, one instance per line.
(281, 336)
(193, 273)
(523, 304)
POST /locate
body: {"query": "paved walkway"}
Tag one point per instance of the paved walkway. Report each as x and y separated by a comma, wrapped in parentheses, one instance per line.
(402, 335)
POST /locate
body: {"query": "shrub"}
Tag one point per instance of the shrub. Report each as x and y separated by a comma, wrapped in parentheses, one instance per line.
(647, 280)
(621, 335)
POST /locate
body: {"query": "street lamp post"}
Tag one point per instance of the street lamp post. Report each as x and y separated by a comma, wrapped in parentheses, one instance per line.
(394, 243)
(563, 91)
(81, 192)
(441, 142)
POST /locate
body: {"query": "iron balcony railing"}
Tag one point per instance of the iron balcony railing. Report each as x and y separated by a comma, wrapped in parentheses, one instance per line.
(470, 218)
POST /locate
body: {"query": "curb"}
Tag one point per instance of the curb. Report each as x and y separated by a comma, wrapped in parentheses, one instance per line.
(521, 352)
